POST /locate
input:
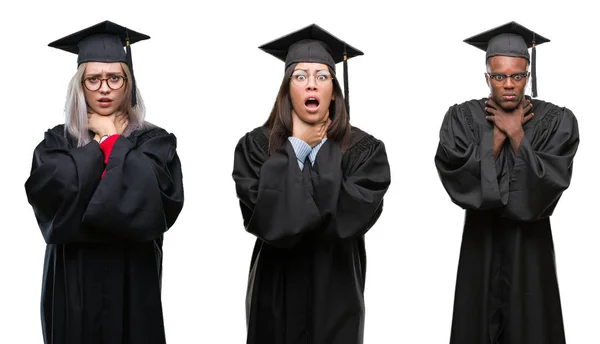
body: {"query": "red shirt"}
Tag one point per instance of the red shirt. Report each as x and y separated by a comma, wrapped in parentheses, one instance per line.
(106, 146)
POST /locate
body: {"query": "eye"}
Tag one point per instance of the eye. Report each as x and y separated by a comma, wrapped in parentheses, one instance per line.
(322, 77)
(92, 79)
(115, 77)
(498, 77)
(300, 77)
(517, 77)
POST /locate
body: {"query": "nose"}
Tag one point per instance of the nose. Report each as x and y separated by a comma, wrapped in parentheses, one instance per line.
(509, 83)
(104, 86)
(311, 84)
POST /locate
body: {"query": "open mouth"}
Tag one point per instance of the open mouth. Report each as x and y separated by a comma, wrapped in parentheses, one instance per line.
(104, 102)
(312, 104)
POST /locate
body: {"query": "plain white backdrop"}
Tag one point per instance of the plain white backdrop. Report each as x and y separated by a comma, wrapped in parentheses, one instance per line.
(204, 79)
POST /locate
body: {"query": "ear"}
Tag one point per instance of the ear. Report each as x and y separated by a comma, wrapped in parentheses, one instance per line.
(333, 97)
(487, 80)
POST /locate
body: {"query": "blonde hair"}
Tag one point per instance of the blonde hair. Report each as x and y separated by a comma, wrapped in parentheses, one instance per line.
(76, 111)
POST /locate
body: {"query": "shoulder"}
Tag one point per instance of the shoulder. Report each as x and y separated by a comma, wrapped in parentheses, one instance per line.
(151, 133)
(59, 135)
(361, 142)
(468, 112)
(547, 114)
(58, 129)
(469, 109)
(256, 138)
(542, 107)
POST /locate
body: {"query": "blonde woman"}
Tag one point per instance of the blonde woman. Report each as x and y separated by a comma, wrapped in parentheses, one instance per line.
(104, 188)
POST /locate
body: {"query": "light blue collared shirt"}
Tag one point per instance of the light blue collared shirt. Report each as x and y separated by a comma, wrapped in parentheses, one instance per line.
(302, 150)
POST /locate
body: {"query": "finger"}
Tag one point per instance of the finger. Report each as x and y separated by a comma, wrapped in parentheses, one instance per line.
(490, 110)
(524, 101)
(491, 118)
(487, 105)
(491, 104)
(527, 118)
(528, 107)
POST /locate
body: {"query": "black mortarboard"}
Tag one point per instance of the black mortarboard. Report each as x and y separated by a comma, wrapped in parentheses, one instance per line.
(103, 42)
(510, 39)
(313, 44)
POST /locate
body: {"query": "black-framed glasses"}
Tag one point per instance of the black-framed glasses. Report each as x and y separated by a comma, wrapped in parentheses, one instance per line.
(300, 78)
(500, 78)
(114, 82)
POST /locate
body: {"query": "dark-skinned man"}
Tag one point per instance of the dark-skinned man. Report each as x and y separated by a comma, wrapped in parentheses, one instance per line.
(506, 160)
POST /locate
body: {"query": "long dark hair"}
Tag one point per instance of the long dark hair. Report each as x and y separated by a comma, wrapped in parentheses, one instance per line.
(280, 119)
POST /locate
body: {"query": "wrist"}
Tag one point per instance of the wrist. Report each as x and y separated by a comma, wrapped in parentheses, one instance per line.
(499, 133)
(106, 133)
(515, 133)
(104, 137)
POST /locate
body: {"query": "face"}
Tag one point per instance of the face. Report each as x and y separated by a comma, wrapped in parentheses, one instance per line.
(311, 91)
(507, 93)
(105, 100)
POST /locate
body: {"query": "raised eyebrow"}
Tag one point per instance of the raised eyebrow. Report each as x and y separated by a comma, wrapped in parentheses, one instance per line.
(317, 70)
(100, 74)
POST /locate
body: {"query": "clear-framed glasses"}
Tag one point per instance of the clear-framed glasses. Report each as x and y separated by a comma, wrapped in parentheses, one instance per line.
(300, 78)
(500, 78)
(114, 82)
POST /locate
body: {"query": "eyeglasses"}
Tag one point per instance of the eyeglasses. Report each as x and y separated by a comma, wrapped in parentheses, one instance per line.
(114, 82)
(300, 78)
(500, 78)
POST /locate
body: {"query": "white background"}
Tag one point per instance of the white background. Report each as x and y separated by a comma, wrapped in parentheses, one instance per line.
(203, 78)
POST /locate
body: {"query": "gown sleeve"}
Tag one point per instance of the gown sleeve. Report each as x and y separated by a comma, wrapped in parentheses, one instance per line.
(141, 194)
(349, 188)
(61, 184)
(543, 166)
(465, 163)
(274, 197)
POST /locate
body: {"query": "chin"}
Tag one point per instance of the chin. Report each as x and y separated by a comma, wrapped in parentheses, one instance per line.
(509, 107)
(104, 112)
(312, 118)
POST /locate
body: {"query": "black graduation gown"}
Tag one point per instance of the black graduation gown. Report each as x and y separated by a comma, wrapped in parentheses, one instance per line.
(506, 289)
(307, 274)
(102, 270)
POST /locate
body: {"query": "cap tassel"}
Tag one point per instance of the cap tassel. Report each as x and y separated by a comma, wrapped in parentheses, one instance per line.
(533, 73)
(130, 64)
(346, 87)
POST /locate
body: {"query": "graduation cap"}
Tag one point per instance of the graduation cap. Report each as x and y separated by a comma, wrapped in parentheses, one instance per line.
(510, 39)
(103, 42)
(313, 44)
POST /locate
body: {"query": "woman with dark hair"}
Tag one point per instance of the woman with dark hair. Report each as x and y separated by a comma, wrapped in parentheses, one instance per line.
(104, 188)
(310, 186)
